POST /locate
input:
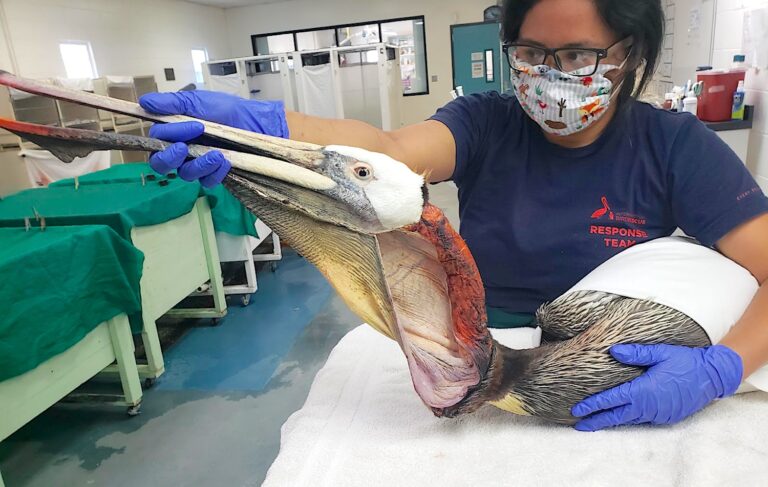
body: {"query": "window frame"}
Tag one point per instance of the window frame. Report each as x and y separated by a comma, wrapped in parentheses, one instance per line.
(202, 72)
(415, 18)
(89, 49)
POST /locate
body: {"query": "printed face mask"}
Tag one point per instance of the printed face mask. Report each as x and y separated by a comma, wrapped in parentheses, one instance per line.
(563, 103)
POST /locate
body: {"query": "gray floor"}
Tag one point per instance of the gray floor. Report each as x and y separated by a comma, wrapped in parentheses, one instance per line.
(215, 417)
(191, 437)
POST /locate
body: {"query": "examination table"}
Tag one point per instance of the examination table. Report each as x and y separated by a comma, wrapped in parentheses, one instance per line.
(363, 424)
(238, 231)
(65, 300)
(168, 220)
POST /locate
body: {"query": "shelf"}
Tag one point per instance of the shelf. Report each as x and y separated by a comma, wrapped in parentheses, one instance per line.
(131, 126)
(80, 123)
(727, 125)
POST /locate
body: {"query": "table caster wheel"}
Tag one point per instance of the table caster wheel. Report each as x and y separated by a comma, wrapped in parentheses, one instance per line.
(245, 299)
(273, 267)
(215, 321)
(149, 382)
(134, 410)
(204, 288)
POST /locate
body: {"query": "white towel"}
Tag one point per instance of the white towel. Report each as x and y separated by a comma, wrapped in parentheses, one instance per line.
(363, 425)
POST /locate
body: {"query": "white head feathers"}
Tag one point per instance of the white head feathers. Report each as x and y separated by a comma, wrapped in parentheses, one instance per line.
(395, 192)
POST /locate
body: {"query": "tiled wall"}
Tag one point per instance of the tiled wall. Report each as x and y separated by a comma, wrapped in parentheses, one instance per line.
(688, 36)
(729, 26)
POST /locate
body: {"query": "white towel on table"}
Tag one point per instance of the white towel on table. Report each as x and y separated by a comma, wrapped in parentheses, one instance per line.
(364, 425)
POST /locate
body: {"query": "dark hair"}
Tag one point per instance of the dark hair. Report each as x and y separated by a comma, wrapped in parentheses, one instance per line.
(642, 20)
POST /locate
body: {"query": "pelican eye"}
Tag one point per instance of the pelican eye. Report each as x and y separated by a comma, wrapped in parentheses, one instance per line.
(363, 172)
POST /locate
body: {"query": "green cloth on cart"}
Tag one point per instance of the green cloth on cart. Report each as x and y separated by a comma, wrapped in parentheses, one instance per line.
(228, 214)
(58, 285)
(498, 318)
(120, 206)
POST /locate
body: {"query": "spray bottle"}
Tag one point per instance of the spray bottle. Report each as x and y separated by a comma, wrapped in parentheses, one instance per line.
(738, 102)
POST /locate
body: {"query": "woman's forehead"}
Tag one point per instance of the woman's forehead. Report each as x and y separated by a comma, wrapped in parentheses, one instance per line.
(566, 23)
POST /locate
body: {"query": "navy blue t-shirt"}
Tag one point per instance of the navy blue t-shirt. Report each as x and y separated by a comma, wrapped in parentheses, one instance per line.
(538, 217)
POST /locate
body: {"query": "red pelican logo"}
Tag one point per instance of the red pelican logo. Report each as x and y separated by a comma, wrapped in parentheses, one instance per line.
(602, 211)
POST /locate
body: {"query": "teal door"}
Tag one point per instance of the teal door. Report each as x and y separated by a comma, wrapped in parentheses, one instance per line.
(478, 62)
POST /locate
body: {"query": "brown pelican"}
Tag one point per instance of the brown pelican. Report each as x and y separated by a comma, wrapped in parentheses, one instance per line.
(365, 221)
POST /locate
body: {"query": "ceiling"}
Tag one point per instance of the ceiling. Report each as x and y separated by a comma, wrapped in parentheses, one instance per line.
(234, 3)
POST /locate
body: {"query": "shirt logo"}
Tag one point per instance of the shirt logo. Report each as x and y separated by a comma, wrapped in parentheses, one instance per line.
(617, 234)
(606, 209)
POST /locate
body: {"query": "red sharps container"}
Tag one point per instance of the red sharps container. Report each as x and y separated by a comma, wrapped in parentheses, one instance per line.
(716, 101)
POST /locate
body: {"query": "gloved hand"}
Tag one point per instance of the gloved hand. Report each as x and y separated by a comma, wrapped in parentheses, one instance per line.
(264, 117)
(679, 382)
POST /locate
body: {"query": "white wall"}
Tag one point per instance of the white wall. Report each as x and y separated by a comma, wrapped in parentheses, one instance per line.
(13, 173)
(728, 41)
(128, 37)
(692, 24)
(242, 22)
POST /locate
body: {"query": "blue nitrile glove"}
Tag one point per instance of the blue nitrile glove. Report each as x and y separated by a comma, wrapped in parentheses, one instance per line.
(679, 382)
(264, 117)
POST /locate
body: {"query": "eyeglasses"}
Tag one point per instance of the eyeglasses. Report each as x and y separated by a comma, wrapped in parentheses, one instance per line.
(568, 59)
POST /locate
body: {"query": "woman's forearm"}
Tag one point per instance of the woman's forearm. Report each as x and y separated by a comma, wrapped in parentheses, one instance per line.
(749, 337)
(325, 131)
(427, 148)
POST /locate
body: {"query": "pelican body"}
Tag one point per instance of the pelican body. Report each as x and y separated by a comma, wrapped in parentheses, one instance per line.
(364, 220)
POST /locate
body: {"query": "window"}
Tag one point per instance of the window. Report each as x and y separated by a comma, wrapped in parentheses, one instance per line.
(78, 60)
(489, 71)
(199, 56)
(315, 39)
(407, 34)
(358, 35)
(273, 44)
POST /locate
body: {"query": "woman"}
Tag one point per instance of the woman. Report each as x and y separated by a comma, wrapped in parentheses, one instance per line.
(559, 178)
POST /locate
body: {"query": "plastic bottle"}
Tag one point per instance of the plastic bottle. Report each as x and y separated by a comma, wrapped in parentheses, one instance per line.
(677, 99)
(669, 101)
(678, 93)
(738, 103)
(691, 103)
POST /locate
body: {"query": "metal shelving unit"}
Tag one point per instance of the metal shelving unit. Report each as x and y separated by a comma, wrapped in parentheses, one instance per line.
(129, 88)
(42, 110)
